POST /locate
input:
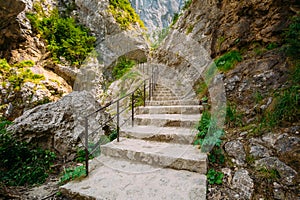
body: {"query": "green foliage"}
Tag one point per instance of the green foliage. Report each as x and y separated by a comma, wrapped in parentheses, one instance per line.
(287, 107)
(113, 135)
(64, 37)
(175, 18)
(228, 60)
(216, 156)
(72, 173)
(124, 14)
(19, 73)
(20, 163)
(272, 45)
(203, 127)
(189, 29)
(123, 65)
(233, 118)
(187, 4)
(214, 177)
(292, 38)
(268, 174)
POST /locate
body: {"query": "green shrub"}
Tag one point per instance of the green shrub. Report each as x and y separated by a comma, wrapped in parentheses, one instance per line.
(228, 60)
(122, 67)
(187, 4)
(233, 118)
(203, 127)
(189, 29)
(175, 18)
(19, 73)
(20, 163)
(72, 173)
(292, 38)
(124, 14)
(214, 177)
(64, 37)
(287, 106)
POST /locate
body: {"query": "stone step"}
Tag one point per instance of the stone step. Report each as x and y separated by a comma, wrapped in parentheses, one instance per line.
(171, 98)
(120, 179)
(177, 109)
(167, 120)
(160, 134)
(172, 102)
(159, 154)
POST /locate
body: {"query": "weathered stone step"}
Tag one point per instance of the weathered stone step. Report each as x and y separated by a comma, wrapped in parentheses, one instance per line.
(161, 134)
(177, 109)
(172, 102)
(170, 155)
(124, 180)
(171, 98)
(167, 120)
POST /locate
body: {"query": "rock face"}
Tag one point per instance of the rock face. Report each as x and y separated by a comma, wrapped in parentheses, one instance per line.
(58, 126)
(157, 14)
(112, 41)
(236, 149)
(243, 183)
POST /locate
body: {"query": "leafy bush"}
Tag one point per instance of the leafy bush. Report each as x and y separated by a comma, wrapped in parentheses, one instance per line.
(72, 173)
(228, 60)
(20, 163)
(292, 38)
(187, 4)
(214, 177)
(123, 65)
(175, 18)
(233, 118)
(203, 127)
(19, 73)
(287, 107)
(124, 14)
(64, 37)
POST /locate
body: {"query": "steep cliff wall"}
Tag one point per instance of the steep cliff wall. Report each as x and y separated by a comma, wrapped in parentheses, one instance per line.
(254, 30)
(157, 14)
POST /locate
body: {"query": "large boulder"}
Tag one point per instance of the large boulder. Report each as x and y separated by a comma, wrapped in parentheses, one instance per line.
(59, 126)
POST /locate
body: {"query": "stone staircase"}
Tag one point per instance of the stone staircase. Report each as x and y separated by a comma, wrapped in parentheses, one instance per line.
(155, 159)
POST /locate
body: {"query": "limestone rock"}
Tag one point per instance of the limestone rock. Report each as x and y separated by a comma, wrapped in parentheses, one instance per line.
(243, 183)
(236, 149)
(58, 126)
(157, 14)
(287, 174)
(286, 143)
(112, 41)
(259, 151)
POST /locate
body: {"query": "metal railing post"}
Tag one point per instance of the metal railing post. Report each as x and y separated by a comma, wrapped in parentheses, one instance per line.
(150, 89)
(118, 122)
(144, 93)
(86, 147)
(132, 109)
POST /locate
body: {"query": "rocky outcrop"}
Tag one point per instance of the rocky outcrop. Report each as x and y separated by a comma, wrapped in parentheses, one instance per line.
(59, 126)
(157, 14)
(112, 41)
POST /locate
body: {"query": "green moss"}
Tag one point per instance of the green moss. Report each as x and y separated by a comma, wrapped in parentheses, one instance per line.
(124, 14)
(175, 18)
(64, 37)
(228, 60)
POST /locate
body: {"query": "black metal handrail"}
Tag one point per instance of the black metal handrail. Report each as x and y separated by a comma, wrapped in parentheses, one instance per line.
(152, 81)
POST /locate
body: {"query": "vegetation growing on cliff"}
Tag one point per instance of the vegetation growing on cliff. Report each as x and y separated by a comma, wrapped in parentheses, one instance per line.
(65, 38)
(18, 74)
(124, 14)
(22, 164)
